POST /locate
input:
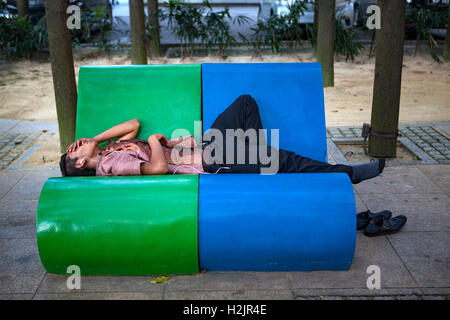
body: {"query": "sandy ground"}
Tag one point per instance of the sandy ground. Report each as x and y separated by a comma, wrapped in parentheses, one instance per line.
(26, 89)
(47, 155)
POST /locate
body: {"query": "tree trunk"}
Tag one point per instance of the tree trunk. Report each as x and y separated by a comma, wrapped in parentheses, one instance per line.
(388, 77)
(138, 37)
(153, 21)
(23, 8)
(60, 45)
(315, 26)
(447, 39)
(325, 41)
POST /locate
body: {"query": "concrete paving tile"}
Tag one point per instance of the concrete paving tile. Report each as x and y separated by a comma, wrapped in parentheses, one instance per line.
(436, 291)
(7, 124)
(229, 281)
(360, 206)
(330, 298)
(369, 251)
(21, 270)
(433, 297)
(95, 284)
(229, 295)
(8, 180)
(29, 188)
(439, 174)
(425, 212)
(357, 292)
(34, 126)
(426, 255)
(408, 297)
(398, 179)
(444, 127)
(18, 219)
(100, 296)
(17, 296)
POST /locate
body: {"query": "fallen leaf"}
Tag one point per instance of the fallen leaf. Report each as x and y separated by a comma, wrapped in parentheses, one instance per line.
(160, 279)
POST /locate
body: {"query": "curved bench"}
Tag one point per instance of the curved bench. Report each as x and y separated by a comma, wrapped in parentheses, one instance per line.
(119, 225)
(281, 222)
(179, 224)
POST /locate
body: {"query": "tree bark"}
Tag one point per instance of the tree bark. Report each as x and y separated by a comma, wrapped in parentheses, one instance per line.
(153, 21)
(447, 39)
(138, 37)
(23, 8)
(315, 26)
(388, 77)
(325, 41)
(60, 45)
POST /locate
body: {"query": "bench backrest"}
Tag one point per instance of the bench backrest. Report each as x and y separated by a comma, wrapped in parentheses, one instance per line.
(289, 96)
(163, 97)
(169, 97)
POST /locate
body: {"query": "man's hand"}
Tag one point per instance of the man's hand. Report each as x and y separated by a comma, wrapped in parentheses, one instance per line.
(161, 138)
(75, 145)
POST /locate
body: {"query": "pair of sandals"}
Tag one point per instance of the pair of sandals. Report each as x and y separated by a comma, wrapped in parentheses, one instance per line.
(380, 223)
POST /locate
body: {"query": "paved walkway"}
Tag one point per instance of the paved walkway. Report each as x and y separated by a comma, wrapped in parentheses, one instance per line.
(415, 263)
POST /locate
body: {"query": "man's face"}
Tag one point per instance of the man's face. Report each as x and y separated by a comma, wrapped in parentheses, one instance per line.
(87, 149)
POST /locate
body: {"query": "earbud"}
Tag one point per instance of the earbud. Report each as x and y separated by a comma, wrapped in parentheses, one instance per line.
(84, 158)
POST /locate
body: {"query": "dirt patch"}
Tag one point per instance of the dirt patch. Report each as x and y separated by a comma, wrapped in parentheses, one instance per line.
(355, 153)
(26, 87)
(47, 155)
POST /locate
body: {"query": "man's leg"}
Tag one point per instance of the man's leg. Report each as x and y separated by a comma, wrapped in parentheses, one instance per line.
(294, 163)
(291, 162)
(243, 114)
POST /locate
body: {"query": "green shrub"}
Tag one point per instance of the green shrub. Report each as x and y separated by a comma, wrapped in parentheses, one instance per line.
(346, 41)
(20, 38)
(278, 29)
(210, 27)
(186, 22)
(426, 19)
(94, 22)
(216, 29)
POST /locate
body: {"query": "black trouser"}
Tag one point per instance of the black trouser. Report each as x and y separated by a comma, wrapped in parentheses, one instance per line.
(243, 114)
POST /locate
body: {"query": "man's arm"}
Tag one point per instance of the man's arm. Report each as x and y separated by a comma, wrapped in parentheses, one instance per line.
(158, 163)
(122, 131)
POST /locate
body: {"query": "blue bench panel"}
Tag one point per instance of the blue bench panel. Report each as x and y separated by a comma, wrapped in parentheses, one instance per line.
(297, 222)
(289, 96)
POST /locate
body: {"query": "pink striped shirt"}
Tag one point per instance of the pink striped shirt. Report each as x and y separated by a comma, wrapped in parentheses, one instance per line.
(124, 157)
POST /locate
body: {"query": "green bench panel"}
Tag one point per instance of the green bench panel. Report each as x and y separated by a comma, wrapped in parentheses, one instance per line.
(119, 225)
(126, 225)
(163, 97)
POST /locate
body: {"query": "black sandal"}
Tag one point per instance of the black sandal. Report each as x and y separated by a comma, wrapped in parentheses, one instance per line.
(363, 218)
(380, 226)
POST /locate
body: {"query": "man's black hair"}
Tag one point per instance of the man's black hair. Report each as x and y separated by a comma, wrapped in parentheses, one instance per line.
(68, 169)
